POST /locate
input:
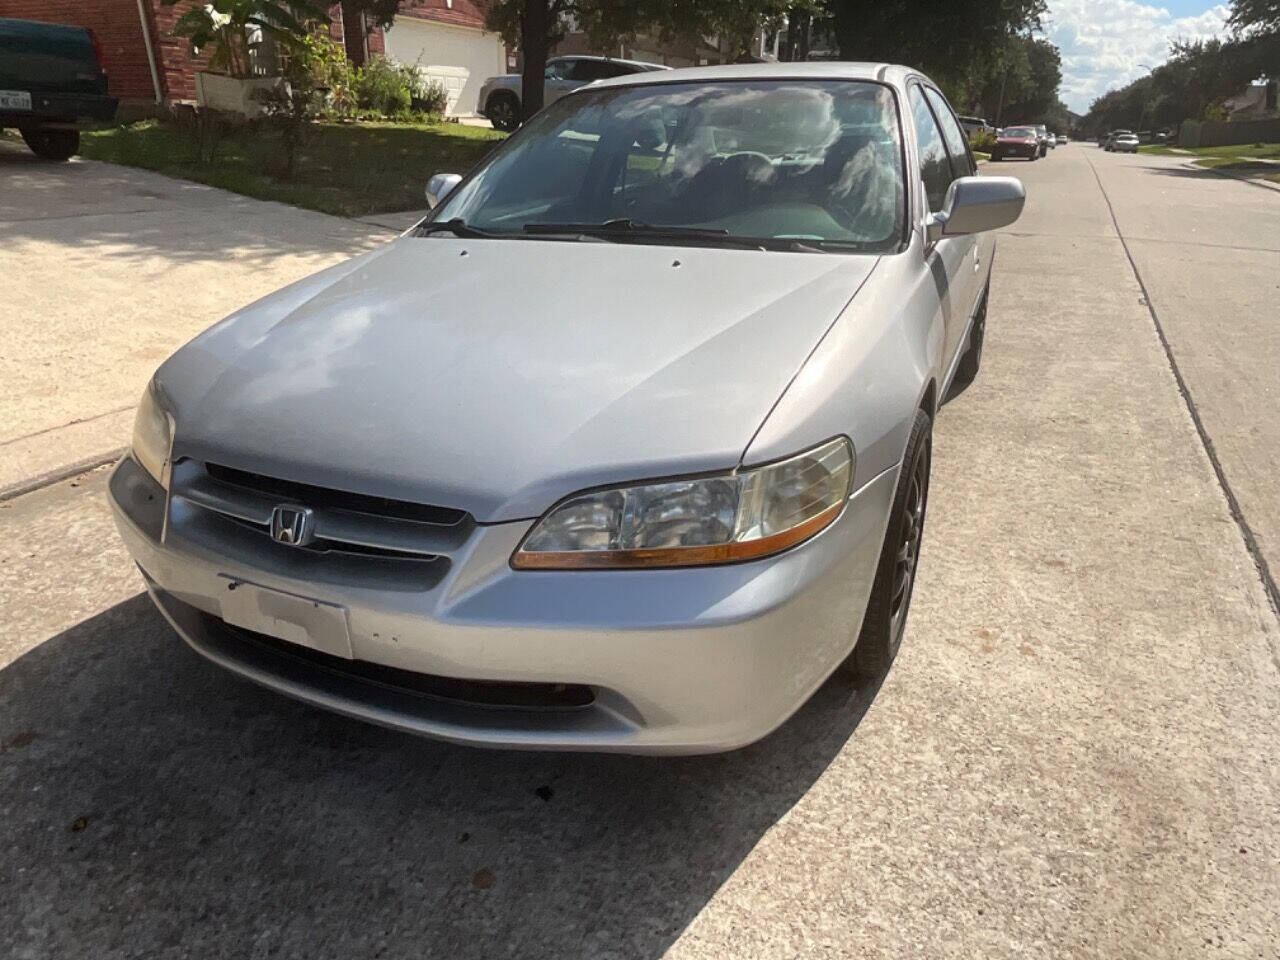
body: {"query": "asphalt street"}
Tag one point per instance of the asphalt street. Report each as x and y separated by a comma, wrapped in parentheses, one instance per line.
(1077, 753)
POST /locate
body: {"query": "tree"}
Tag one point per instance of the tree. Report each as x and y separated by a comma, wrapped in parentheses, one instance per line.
(226, 27)
(950, 39)
(1190, 85)
(535, 26)
(1255, 16)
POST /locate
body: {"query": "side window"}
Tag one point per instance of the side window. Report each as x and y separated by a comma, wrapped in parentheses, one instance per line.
(559, 69)
(609, 69)
(584, 71)
(935, 168)
(957, 142)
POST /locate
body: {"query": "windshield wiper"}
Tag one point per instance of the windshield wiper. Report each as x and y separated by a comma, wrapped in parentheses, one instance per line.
(626, 227)
(457, 226)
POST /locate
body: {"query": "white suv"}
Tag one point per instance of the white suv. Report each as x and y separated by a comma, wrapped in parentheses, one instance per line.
(500, 96)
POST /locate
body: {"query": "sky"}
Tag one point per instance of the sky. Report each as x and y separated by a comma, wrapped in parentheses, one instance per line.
(1104, 41)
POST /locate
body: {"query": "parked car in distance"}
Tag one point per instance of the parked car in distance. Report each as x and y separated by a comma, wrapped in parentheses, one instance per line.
(972, 125)
(1016, 142)
(1051, 140)
(51, 80)
(1042, 134)
(500, 96)
(1124, 143)
(1062, 138)
(1109, 139)
(648, 505)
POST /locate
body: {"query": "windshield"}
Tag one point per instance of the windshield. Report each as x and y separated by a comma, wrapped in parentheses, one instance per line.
(1023, 132)
(812, 161)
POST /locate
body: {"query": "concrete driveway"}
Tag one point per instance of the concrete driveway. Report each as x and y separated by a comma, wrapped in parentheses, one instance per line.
(106, 270)
(1077, 753)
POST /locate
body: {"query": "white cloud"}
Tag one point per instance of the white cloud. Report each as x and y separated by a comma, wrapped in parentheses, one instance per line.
(1103, 41)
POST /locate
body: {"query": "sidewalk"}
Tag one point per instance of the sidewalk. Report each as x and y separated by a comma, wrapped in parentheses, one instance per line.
(107, 271)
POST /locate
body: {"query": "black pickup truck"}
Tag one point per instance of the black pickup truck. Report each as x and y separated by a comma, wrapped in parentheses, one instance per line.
(51, 80)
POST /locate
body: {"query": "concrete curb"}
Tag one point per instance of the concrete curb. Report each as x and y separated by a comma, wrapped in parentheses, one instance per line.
(1227, 174)
(32, 484)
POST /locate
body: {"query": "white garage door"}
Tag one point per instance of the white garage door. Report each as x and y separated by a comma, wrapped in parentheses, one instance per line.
(462, 58)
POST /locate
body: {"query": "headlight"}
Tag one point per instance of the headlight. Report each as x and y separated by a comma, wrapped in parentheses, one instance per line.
(735, 516)
(153, 436)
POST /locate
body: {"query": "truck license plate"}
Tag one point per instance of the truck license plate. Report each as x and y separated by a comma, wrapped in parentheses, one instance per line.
(15, 100)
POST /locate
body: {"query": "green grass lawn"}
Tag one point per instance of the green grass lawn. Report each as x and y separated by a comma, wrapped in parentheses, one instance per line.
(348, 169)
(1245, 158)
(1241, 151)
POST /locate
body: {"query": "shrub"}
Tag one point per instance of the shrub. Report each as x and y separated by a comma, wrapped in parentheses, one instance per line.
(380, 87)
(982, 141)
(427, 96)
(312, 64)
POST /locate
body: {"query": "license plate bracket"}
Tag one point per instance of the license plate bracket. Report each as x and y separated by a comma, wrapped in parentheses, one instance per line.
(15, 100)
(286, 616)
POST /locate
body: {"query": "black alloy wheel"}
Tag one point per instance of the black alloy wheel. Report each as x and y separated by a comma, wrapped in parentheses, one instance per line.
(885, 620)
(503, 111)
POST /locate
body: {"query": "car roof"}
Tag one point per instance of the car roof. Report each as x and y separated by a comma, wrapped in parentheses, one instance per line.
(802, 70)
(645, 64)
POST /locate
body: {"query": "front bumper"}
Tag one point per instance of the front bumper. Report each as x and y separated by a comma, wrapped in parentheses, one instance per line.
(677, 661)
(1016, 150)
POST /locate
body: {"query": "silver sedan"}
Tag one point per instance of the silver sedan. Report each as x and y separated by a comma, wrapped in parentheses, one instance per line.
(625, 448)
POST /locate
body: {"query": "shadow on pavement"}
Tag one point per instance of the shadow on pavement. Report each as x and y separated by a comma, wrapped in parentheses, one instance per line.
(122, 213)
(1233, 172)
(154, 803)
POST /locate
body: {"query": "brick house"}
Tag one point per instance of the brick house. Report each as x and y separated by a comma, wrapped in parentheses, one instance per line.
(146, 63)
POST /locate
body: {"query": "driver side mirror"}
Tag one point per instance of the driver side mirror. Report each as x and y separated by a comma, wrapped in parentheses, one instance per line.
(440, 186)
(977, 204)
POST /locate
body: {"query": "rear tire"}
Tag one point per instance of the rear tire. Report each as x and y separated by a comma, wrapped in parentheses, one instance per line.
(503, 111)
(886, 618)
(52, 144)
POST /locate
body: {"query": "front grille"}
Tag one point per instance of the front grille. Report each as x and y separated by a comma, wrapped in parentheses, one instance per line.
(477, 693)
(291, 491)
(231, 510)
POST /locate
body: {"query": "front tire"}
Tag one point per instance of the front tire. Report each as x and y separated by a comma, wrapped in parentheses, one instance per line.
(503, 111)
(52, 144)
(886, 618)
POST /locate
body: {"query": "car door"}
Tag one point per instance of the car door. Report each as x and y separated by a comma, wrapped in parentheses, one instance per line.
(970, 283)
(949, 259)
(559, 79)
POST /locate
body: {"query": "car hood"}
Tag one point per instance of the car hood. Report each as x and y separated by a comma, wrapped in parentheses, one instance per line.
(497, 376)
